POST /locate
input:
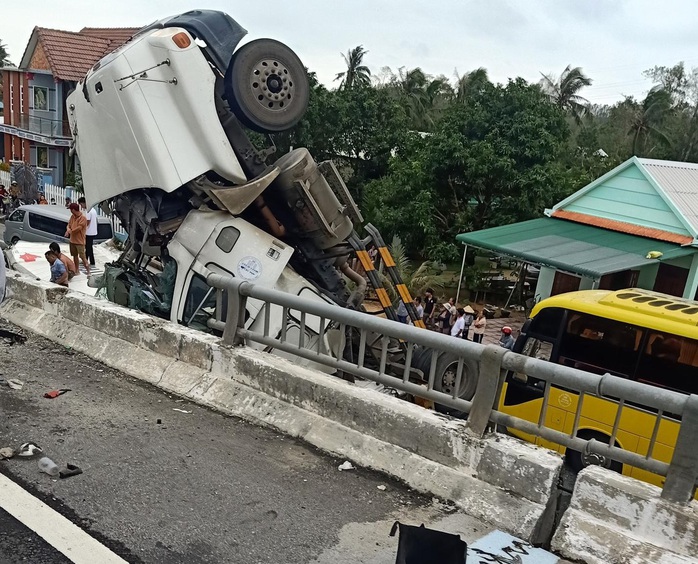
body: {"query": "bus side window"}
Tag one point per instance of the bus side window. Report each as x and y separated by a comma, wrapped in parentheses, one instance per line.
(600, 345)
(671, 362)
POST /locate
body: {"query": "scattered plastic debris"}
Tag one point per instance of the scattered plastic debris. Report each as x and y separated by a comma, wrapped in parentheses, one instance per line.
(346, 465)
(48, 466)
(180, 410)
(382, 488)
(15, 384)
(6, 452)
(55, 393)
(29, 449)
(70, 470)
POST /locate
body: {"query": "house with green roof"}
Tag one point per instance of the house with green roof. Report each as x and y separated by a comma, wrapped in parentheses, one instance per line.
(636, 226)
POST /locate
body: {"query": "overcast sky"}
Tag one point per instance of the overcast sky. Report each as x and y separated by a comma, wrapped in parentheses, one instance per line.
(612, 40)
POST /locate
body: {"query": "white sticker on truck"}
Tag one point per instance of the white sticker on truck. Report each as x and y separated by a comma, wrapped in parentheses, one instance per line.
(249, 268)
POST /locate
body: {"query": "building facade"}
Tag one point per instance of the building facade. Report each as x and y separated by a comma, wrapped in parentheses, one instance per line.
(35, 129)
(636, 226)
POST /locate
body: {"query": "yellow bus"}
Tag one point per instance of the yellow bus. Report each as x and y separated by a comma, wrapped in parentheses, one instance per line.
(636, 334)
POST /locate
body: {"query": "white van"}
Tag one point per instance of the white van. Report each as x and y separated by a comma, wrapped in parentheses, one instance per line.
(44, 224)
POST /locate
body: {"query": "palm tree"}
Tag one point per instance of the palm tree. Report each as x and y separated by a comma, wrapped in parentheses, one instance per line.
(428, 274)
(470, 82)
(422, 96)
(564, 92)
(649, 120)
(357, 74)
(4, 56)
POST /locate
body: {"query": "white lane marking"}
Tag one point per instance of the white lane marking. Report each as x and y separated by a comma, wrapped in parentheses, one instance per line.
(59, 532)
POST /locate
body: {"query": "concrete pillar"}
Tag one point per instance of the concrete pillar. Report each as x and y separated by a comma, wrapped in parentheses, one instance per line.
(545, 282)
(691, 288)
(588, 283)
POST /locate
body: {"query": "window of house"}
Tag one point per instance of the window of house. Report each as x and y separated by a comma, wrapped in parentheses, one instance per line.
(42, 157)
(41, 98)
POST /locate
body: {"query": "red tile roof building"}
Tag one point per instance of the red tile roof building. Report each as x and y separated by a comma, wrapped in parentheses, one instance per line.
(35, 129)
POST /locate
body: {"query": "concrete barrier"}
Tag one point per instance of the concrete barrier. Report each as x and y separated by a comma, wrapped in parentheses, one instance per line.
(498, 479)
(616, 519)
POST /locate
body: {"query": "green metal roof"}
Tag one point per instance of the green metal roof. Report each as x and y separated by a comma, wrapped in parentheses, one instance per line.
(572, 247)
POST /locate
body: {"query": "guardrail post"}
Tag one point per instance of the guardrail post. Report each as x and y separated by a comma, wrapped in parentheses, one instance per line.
(487, 392)
(235, 319)
(683, 470)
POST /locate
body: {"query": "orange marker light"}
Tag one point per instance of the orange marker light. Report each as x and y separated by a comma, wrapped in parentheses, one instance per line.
(181, 40)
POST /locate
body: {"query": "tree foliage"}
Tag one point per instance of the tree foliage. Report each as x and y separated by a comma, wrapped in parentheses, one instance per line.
(427, 157)
(357, 74)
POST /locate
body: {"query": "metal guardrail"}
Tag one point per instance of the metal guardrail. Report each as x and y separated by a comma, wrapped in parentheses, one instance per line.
(381, 334)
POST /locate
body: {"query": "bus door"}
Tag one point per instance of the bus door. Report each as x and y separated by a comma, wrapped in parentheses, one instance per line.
(523, 395)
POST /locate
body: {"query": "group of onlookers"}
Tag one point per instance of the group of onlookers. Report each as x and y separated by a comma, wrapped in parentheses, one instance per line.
(453, 320)
(81, 231)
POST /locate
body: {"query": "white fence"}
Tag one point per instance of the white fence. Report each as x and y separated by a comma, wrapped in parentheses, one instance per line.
(58, 195)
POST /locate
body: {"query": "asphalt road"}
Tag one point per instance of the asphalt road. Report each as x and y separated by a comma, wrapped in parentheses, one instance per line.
(163, 486)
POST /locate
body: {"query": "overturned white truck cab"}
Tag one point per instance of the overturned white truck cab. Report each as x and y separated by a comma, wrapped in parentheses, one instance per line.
(159, 127)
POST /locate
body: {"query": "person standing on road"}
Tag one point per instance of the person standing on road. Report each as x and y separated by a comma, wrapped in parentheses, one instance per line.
(429, 307)
(457, 329)
(59, 274)
(402, 312)
(3, 197)
(418, 307)
(468, 320)
(479, 326)
(506, 340)
(91, 232)
(76, 232)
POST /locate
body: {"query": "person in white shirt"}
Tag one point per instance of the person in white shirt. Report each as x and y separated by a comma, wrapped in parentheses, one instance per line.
(459, 325)
(91, 232)
(418, 306)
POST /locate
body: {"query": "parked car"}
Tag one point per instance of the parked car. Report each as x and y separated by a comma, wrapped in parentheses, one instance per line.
(44, 224)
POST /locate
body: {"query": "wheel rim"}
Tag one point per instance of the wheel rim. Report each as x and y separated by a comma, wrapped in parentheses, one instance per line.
(448, 379)
(272, 84)
(594, 459)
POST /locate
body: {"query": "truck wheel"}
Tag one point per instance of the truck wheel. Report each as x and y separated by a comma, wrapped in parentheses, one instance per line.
(266, 86)
(445, 381)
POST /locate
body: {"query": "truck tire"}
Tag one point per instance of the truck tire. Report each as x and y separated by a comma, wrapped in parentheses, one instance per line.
(445, 380)
(266, 86)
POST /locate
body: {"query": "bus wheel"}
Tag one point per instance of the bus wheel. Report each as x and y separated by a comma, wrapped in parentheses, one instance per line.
(578, 460)
(445, 381)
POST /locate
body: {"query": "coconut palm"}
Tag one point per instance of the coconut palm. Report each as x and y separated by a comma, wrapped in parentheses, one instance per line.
(4, 56)
(428, 274)
(357, 74)
(423, 96)
(564, 92)
(648, 122)
(469, 82)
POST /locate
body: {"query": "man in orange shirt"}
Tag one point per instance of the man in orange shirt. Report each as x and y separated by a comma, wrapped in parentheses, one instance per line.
(77, 228)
